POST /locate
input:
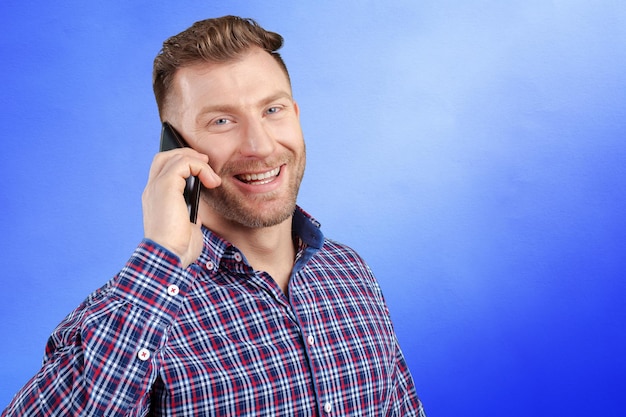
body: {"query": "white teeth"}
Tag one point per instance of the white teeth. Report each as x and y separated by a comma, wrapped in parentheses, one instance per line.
(260, 177)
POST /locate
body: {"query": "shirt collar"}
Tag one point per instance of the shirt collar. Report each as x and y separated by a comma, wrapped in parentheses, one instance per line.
(307, 228)
(303, 225)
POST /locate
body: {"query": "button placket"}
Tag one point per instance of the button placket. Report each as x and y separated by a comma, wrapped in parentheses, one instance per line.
(143, 354)
(173, 290)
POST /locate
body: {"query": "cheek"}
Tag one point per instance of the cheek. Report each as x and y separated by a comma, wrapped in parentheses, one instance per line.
(218, 155)
(217, 164)
(291, 136)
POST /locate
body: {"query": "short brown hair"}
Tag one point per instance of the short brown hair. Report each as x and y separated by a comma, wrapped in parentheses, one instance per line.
(212, 40)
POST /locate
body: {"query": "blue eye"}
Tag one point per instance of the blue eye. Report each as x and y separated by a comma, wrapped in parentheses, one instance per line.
(221, 121)
(273, 110)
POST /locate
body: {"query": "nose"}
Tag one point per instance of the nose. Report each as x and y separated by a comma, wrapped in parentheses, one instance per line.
(258, 140)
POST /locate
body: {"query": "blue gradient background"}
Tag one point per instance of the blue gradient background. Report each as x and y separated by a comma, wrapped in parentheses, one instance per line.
(472, 151)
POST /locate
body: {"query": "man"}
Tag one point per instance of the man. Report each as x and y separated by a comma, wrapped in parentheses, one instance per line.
(250, 311)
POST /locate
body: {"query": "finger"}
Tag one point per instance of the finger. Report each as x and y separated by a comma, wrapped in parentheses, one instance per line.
(199, 166)
(208, 177)
(162, 159)
(179, 167)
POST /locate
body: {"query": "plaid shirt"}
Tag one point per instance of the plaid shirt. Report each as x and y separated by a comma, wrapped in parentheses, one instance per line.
(219, 339)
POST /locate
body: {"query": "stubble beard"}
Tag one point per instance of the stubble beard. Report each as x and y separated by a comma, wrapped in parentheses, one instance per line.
(267, 210)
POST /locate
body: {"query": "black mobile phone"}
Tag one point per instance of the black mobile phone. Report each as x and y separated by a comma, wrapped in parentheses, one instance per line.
(171, 139)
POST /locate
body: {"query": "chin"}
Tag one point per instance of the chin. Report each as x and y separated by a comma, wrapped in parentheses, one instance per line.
(254, 216)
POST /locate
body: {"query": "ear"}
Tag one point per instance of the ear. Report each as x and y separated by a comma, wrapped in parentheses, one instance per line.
(296, 108)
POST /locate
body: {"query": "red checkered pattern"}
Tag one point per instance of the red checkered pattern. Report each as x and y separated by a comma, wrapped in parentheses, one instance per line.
(219, 339)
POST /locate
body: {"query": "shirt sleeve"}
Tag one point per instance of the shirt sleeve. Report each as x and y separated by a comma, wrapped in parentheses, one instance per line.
(102, 358)
(407, 400)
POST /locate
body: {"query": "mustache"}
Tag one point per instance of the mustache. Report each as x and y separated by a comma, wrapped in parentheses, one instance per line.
(250, 166)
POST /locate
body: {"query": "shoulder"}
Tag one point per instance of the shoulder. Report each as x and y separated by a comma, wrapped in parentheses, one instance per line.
(341, 258)
(343, 252)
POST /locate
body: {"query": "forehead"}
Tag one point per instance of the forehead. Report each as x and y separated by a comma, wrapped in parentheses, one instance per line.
(244, 79)
(254, 67)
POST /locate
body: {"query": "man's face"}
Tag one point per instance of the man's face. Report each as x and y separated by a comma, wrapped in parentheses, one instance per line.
(242, 115)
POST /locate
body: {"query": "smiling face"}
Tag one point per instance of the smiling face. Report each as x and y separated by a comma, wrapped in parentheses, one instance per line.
(242, 115)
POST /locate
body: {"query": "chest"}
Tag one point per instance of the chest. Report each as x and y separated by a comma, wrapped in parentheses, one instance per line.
(238, 348)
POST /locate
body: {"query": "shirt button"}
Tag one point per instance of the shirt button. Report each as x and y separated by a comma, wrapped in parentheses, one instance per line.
(143, 354)
(328, 407)
(173, 290)
(238, 257)
(210, 266)
(310, 340)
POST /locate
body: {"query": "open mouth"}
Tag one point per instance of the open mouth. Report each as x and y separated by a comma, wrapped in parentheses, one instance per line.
(259, 179)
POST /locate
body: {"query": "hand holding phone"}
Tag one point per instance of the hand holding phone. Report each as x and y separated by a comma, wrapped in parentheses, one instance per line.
(166, 216)
(171, 139)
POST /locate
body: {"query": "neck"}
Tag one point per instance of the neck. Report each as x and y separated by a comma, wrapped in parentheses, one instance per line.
(268, 249)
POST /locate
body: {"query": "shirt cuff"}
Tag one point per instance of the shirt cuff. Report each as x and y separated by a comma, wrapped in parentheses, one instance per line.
(153, 280)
